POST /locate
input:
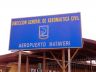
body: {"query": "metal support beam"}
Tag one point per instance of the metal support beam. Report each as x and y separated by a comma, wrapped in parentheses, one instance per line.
(27, 64)
(72, 56)
(69, 61)
(63, 60)
(19, 62)
(56, 60)
(41, 57)
(91, 69)
(44, 61)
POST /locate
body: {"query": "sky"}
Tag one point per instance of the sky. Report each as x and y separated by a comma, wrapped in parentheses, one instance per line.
(29, 8)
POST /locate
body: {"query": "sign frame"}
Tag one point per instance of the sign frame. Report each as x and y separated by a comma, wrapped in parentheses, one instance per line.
(50, 32)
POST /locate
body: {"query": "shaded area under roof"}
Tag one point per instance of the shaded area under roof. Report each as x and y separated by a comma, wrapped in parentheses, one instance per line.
(87, 52)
